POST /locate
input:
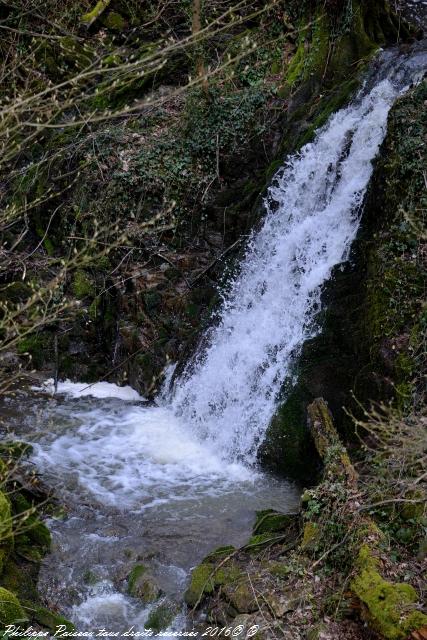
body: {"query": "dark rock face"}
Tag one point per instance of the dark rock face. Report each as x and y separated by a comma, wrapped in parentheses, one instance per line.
(370, 345)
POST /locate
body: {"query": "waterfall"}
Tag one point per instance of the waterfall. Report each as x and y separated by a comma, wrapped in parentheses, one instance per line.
(229, 391)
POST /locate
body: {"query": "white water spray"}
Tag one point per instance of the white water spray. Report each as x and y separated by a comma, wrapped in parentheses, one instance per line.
(229, 392)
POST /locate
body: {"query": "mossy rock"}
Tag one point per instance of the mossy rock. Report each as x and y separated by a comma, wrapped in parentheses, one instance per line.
(33, 538)
(241, 596)
(279, 570)
(310, 535)
(206, 578)
(114, 21)
(272, 521)
(160, 617)
(288, 447)
(11, 611)
(51, 620)
(142, 585)
(388, 607)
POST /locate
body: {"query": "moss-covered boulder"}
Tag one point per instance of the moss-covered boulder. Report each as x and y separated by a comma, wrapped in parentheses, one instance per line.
(142, 585)
(390, 608)
(11, 611)
(161, 617)
(206, 577)
(273, 521)
(50, 620)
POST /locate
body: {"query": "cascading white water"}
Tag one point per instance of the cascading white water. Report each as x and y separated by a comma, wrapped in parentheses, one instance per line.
(166, 483)
(229, 392)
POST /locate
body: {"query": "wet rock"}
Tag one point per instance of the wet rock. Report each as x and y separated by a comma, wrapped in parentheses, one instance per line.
(90, 578)
(161, 617)
(51, 620)
(142, 585)
(282, 603)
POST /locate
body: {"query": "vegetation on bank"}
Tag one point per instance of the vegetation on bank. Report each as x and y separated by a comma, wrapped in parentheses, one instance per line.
(320, 573)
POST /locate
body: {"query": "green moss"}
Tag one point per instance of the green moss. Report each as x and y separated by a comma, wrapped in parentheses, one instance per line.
(271, 521)
(90, 577)
(5, 519)
(310, 535)
(112, 60)
(160, 617)
(395, 319)
(114, 21)
(96, 12)
(38, 345)
(15, 450)
(220, 553)
(51, 620)
(332, 102)
(279, 570)
(10, 609)
(20, 581)
(241, 596)
(142, 585)
(202, 583)
(258, 540)
(74, 54)
(205, 578)
(35, 536)
(287, 446)
(82, 285)
(389, 606)
(295, 69)
(6, 530)
(414, 510)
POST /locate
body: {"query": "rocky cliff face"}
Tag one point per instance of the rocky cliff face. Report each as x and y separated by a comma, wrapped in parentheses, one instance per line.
(371, 345)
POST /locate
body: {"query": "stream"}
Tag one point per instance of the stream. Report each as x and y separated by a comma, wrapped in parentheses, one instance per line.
(163, 484)
(137, 489)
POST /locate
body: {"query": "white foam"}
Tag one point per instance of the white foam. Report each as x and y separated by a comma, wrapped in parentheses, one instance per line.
(105, 606)
(137, 457)
(96, 390)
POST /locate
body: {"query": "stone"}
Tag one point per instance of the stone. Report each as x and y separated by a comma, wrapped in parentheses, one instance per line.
(142, 585)
(241, 597)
